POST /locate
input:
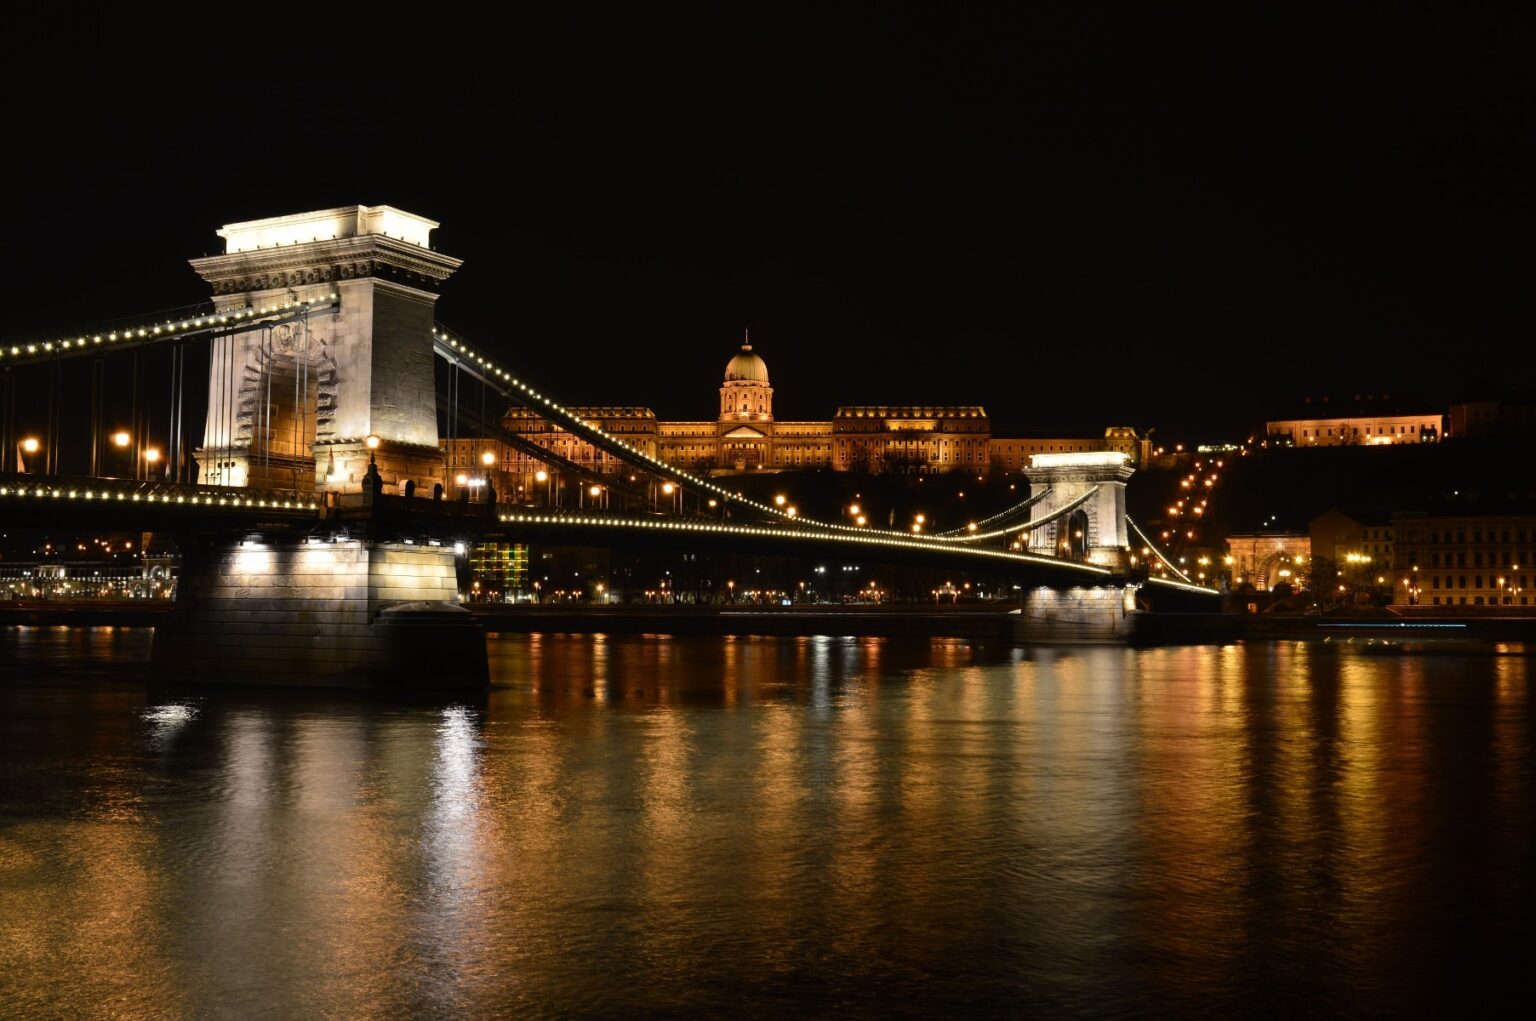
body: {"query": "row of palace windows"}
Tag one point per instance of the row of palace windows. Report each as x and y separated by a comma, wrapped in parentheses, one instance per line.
(1460, 534)
(1510, 581)
(1505, 558)
(1348, 430)
(1478, 601)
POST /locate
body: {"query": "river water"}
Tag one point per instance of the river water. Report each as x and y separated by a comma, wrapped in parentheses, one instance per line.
(644, 827)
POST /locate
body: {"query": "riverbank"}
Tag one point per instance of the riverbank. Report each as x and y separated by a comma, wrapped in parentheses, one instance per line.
(946, 622)
(985, 623)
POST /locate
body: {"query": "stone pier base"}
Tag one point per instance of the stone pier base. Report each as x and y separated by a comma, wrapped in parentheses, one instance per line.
(1099, 615)
(344, 614)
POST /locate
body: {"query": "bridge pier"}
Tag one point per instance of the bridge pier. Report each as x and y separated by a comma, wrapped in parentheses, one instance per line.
(1091, 615)
(319, 613)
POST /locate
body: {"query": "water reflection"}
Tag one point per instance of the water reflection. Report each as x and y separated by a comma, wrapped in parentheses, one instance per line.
(814, 825)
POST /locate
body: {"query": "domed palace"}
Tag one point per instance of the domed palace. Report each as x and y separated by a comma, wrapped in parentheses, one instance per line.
(745, 437)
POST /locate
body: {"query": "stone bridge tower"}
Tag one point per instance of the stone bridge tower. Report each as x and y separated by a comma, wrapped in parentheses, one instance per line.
(291, 406)
(1095, 532)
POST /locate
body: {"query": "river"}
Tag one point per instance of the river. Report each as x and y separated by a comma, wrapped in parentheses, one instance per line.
(644, 826)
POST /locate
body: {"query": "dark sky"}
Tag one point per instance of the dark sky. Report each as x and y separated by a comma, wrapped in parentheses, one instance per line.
(1074, 219)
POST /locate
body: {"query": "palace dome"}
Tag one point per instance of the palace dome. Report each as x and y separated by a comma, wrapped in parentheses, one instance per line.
(746, 366)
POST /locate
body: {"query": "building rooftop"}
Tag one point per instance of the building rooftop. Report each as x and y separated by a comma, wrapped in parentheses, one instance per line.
(1359, 405)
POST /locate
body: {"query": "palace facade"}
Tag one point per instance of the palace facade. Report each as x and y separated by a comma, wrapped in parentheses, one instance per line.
(745, 437)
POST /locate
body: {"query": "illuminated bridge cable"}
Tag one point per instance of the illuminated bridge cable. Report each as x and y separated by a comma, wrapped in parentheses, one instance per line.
(1028, 526)
(494, 430)
(212, 323)
(1147, 544)
(459, 352)
(1000, 515)
(865, 540)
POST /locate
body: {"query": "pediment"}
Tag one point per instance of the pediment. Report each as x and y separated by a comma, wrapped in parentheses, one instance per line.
(744, 432)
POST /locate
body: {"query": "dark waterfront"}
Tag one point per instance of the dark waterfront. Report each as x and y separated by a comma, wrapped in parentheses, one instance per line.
(780, 826)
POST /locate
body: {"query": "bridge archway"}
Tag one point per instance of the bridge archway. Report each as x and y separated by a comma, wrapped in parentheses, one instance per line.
(1074, 535)
(272, 406)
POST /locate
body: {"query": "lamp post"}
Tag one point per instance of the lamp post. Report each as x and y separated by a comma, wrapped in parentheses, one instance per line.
(488, 459)
(543, 476)
(151, 458)
(29, 445)
(373, 484)
(121, 440)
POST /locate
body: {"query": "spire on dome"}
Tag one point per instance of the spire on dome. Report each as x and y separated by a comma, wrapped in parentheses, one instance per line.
(746, 365)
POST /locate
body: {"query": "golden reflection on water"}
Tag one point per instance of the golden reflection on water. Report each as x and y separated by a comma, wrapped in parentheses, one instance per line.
(644, 824)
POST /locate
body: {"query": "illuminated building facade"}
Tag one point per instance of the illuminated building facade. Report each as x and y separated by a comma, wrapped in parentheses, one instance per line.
(1265, 560)
(1340, 537)
(1364, 422)
(746, 437)
(1461, 559)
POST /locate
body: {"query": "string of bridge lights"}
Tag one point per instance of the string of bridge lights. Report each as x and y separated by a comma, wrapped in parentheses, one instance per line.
(766, 531)
(1028, 526)
(1149, 546)
(198, 499)
(1000, 515)
(463, 349)
(168, 330)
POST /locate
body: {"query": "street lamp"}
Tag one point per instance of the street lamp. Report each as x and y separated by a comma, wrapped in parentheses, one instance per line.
(30, 445)
(121, 439)
(372, 442)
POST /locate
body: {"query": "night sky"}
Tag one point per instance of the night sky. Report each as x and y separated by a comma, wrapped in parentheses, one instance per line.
(1075, 220)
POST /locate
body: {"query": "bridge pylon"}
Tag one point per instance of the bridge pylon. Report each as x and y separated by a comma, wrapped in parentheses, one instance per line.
(292, 406)
(1095, 530)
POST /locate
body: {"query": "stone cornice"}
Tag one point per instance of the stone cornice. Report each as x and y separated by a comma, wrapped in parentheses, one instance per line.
(316, 262)
(1055, 475)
